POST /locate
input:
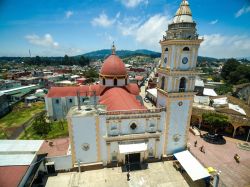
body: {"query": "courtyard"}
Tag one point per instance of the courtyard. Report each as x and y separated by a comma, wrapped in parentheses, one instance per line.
(221, 158)
(157, 174)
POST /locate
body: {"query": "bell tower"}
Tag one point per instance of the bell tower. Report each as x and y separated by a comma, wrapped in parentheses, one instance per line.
(175, 87)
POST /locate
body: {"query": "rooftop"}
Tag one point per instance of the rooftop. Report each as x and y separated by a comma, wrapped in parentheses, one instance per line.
(18, 152)
(157, 174)
(119, 99)
(55, 147)
(14, 174)
(8, 146)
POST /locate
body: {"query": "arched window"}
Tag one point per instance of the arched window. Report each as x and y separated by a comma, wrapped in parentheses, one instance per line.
(185, 49)
(126, 81)
(162, 83)
(182, 85)
(115, 82)
(166, 49)
(103, 81)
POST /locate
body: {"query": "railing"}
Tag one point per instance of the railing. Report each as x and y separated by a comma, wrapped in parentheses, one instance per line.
(137, 111)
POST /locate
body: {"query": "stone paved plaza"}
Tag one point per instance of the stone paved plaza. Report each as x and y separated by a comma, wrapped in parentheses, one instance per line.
(158, 174)
(221, 158)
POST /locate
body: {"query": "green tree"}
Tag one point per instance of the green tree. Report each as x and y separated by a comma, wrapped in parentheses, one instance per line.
(224, 89)
(83, 61)
(215, 121)
(40, 126)
(230, 66)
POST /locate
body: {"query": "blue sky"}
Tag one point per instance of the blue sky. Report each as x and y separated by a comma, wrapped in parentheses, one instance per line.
(59, 27)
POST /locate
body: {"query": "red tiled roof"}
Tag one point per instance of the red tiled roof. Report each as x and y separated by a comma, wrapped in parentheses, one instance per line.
(133, 88)
(11, 176)
(58, 147)
(119, 99)
(139, 78)
(113, 65)
(72, 90)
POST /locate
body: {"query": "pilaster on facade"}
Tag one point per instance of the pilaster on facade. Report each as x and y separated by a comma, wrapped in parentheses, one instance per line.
(98, 139)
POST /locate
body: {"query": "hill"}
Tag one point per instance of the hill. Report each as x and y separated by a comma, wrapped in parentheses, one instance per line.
(101, 54)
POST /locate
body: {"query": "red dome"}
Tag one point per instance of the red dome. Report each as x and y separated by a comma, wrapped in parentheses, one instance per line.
(113, 65)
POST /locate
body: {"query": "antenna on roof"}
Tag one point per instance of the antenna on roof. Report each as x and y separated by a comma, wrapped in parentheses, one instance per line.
(78, 99)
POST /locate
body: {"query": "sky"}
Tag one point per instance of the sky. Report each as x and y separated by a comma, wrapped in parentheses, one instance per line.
(73, 27)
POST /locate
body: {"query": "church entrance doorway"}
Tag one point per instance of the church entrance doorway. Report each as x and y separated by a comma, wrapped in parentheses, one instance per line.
(132, 161)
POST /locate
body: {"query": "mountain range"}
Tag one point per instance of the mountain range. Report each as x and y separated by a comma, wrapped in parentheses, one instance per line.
(121, 53)
(102, 54)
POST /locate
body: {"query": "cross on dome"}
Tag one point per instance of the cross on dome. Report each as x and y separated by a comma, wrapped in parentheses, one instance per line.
(113, 49)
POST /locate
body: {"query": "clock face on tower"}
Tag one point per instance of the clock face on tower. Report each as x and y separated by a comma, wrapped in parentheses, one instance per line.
(184, 60)
(165, 60)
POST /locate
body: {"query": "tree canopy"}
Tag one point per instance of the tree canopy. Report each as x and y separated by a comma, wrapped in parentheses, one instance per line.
(215, 121)
(233, 72)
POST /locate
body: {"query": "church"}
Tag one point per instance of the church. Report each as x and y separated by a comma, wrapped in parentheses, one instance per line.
(115, 127)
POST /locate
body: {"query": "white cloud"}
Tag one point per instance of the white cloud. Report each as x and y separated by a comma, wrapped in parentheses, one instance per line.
(149, 32)
(214, 22)
(68, 14)
(46, 41)
(242, 11)
(220, 46)
(133, 3)
(103, 20)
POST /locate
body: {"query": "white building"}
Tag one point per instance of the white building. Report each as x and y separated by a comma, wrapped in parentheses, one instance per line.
(117, 128)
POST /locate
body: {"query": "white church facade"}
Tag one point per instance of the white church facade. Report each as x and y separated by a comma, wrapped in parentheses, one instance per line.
(117, 127)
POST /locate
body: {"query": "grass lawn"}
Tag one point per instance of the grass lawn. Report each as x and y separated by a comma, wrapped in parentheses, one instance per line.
(55, 132)
(21, 114)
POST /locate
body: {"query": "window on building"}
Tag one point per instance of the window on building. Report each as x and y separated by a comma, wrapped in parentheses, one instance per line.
(162, 83)
(113, 127)
(103, 81)
(166, 49)
(57, 101)
(186, 49)
(182, 85)
(70, 100)
(126, 81)
(83, 99)
(115, 82)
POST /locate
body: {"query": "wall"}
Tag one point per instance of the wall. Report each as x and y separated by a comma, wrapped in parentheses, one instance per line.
(120, 82)
(61, 162)
(60, 110)
(109, 82)
(84, 131)
(177, 126)
(161, 100)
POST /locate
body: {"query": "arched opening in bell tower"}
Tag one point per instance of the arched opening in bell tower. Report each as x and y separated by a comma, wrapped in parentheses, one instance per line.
(182, 85)
(103, 81)
(186, 49)
(162, 83)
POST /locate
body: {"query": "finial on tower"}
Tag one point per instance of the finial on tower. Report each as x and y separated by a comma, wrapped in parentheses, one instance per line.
(113, 49)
